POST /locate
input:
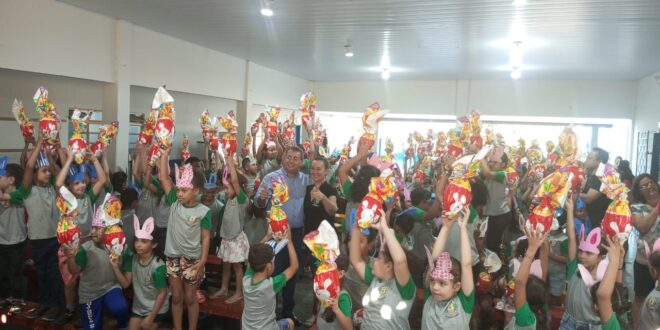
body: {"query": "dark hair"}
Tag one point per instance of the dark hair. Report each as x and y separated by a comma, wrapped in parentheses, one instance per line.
(158, 251)
(654, 261)
(405, 221)
(128, 196)
(192, 160)
(479, 192)
(15, 171)
(625, 173)
(117, 180)
(360, 186)
(418, 195)
(537, 297)
(326, 164)
(620, 302)
(521, 248)
(505, 158)
(198, 179)
(601, 155)
(636, 189)
(260, 255)
(295, 149)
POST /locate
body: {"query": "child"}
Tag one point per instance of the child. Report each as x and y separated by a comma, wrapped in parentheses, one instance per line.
(267, 156)
(129, 202)
(581, 217)
(338, 314)
(188, 223)
(234, 247)
(217, 208)
(388, 300)
(147, 272)
(12, 233)
(38, 197)
(98, 288)
(74, 177)
(250, 169)
(579, 311)
(450, 292)
(610, 299)
(530, 296)
(650, 314)
(557, 265)
(260, 289)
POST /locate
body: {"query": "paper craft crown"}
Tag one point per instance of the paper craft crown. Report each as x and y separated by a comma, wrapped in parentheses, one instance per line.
(184, 176)
(442, 268)
(590, 244)
(42, 159)
(146, 230)
(76, 173)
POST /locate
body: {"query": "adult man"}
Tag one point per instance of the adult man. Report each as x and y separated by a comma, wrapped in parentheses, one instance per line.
(297, 183)
(597, 202)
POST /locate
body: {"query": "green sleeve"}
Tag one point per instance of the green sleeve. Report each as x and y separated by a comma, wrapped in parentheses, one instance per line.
(109, 188)
(346, 189)
(427, 293)
(572, 267)
(368, 274)
(500, 176)
(53, 179)
(206, 221)
(160, 277)
(249, 271)
(279, 282)
(467, 301)
(156, 183)
(17, 196)
(139, 184)
(242, 197)
(407, 291)
(473, 214)
(90, 194)
(81, 258)
(345, 304)
(171, 197)
(524, 316)
(563, 247)
(612, 323)
(307, 164)
(127, 261)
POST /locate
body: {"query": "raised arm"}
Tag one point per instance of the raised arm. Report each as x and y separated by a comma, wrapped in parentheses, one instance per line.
(436, 207)
(233, 175)
(344, 169)
(486, 171)
(401, 271)
(644, 222)
(535, 239)
(354, 255)
(606, 287)
(544, 255)
(467, 280)
(102, 175)
(570, 228)
(439, 244)
(165, 181)
(61, 176)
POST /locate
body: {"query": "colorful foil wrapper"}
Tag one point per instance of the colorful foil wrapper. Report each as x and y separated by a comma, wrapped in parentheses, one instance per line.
(271, 125)
(326, 283)
(551, 194)
(370, 119)
(441, 145)
(114, 241)
(153, 154)
(577, 177)
(512, 177)
(278, 222)
(618, 218)
(228, 140)
(475, 130)
(49, 122)
(68, 234)
(25, 124)
(185, 148)
(534, 154)
(568, 144)
(147, 131)
(484, 283)
(381, 189)
(324, 245)
(538, 172)
(107, 133)
(77, 144)
(207, 125)
(164, 129)
(307, 107)
(456, 197)
(455, 147)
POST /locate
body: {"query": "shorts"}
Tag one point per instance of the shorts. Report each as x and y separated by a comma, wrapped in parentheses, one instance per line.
(181, 267)
(235, 250)
(67, 277)
(158, 319)
(283, 324)
(644, 283)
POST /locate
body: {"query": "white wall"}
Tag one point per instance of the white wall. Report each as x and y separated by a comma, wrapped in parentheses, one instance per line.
(612, 99)
(50, 37)
(647, 112)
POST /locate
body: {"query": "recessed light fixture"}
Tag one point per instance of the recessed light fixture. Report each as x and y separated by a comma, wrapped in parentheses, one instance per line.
(516, 73)
(385, 74)
(348, 51)
(518, 3)
(266, 10)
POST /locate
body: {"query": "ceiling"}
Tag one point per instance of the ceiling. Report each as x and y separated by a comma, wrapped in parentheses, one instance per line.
(430, 39)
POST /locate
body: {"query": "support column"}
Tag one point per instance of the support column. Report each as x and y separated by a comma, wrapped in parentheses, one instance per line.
(244, 107)
(117, 98)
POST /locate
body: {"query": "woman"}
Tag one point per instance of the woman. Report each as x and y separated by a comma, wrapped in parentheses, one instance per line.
(320, 204)
(646, 196)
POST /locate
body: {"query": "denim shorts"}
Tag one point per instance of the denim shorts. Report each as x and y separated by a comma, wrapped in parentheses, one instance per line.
(568, 322)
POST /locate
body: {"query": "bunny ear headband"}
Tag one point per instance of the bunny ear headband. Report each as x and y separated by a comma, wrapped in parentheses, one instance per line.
(212, 182)
(591, 243)
(184, 176)
(146, 230)
(442, 268)
(535, 268)
(656, 248)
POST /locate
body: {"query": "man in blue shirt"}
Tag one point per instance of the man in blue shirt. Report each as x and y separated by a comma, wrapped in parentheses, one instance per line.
(296, 181)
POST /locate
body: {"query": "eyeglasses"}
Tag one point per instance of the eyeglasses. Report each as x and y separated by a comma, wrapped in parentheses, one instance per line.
(292, 159)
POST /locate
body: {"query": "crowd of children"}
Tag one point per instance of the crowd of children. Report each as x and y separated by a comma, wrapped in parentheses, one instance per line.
(432, 257)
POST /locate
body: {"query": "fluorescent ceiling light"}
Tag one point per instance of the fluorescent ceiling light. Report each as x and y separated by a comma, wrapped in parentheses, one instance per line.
(348, 51)
(518, 3)
(516, 73)
(266, 10)
(385, 74)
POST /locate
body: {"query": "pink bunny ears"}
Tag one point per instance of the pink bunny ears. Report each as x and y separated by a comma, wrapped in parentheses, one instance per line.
(592, 242)
(184, 176)
(442, 268)
(535, 268)
(656, 248)
(146, 230)
(378, 163)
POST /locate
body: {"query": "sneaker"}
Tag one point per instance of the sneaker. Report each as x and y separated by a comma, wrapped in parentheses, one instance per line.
(64, 318)
(51, 314)
(36, 312)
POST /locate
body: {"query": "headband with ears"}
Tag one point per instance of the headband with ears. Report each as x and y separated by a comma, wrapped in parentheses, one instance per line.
(535, 269)
(146, 230)
(656, 248)
(212, 182)
(592, 242)
(441, 268)
(183, 176)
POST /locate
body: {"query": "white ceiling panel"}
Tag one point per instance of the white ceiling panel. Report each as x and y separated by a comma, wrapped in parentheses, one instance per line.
(432, 39)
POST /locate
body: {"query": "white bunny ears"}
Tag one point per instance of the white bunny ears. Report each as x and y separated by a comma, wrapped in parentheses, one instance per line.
(146, 230)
